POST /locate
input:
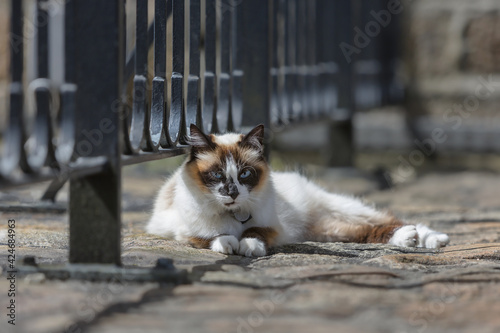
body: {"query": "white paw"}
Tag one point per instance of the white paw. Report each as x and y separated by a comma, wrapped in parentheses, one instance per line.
(225, 244)
(405, 236)
(437, 240)
(431, 239)
(252, 247)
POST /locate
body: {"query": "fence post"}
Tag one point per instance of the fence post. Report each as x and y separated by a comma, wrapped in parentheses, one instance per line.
(95, 200)
(256, 86)
(340, 149)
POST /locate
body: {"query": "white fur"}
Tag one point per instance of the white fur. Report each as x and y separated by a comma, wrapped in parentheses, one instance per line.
(227, 139)
(405, 236)
(252, 247)
(297, 199)
(419, 235)
(225, 244)
(232, 171)
(431, 239)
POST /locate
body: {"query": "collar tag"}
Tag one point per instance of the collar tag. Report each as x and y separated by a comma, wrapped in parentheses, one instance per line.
(242, 217)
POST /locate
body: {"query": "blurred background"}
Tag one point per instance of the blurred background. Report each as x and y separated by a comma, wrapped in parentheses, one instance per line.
(422, 140)
(444, 58)
(445, 114)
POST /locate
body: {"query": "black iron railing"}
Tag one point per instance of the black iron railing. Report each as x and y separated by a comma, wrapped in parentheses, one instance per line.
(224, 65)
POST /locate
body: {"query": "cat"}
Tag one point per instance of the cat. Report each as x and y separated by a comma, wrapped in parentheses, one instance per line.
(225, 198)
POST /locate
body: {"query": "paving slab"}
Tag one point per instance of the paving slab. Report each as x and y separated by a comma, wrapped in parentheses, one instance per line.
(306, 287)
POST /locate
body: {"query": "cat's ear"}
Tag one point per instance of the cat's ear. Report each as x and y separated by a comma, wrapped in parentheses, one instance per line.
(254, 139)
(199, 141)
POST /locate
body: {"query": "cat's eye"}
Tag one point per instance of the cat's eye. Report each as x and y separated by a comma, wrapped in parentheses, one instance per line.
(217, 174)
(245, 174)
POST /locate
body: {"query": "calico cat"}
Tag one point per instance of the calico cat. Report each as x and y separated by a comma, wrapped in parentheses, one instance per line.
(225, 198)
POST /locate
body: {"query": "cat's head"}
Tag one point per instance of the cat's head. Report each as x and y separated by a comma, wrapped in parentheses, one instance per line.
(230, 168)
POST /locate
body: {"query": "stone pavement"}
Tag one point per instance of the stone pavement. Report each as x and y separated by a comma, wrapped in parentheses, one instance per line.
(308, 287)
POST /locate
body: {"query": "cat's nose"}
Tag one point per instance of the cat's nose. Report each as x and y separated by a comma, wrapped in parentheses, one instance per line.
(232, 190)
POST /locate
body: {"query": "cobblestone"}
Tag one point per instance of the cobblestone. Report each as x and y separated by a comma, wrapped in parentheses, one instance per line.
(307, 287)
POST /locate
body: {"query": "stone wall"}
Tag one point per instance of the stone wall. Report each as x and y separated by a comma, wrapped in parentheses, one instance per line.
(452, 57)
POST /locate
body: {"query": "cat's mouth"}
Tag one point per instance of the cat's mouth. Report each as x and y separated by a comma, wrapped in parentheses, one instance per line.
(230, 203)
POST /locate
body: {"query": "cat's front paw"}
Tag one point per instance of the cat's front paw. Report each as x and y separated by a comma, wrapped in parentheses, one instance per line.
(252, 247)
(405, 236)
(225, 244)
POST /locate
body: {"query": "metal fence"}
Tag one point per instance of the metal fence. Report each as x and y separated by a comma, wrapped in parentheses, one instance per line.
(81, 107)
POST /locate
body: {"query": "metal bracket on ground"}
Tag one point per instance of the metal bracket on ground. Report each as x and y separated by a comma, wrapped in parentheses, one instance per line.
(164, 272)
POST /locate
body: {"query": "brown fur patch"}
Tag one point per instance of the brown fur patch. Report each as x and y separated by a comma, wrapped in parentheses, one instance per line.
(194, 173)
(377, 233)
(374, 231)
(200, 243)
(267, 235)
(262, 174)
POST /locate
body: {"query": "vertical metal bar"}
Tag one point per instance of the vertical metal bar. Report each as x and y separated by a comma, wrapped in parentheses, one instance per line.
(95, 201)
(193, 84)
(158, 118)
(223, 95)
(42, 45)
(41, 151)
(384, 56)
(301, 71)
(275, 109)
(366, 67)
(312, 71)
(176, 113)
(139, 127)
(141, 37)
(13, 153)
(236, 68)
(331, 57)
(282, 61)
(256, 65)
(389, 53)
(209, 100)
(345, 88)
(355, 19)
(65, 147)
(66, 144)
(320, 41)
(16, 40)
(291, 59)
(340, 149)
